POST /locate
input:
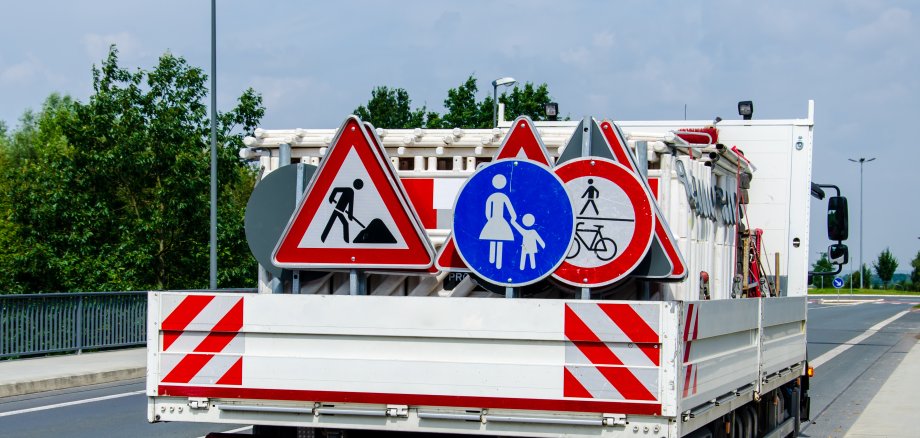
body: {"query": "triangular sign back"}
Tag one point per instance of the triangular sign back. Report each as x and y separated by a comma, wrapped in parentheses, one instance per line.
(354, 214)
(667, 245)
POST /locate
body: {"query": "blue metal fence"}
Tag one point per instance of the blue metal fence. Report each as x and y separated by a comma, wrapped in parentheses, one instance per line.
(32, 324)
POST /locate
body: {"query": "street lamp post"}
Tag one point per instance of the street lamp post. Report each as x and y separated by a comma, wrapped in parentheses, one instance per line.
(861, 161)
(506, 81)
(212, 280)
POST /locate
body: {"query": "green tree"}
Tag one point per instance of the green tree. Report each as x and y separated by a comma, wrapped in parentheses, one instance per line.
(915, 273)
(391, 108)
(822, 265)
(462, 109)
(528, 100)
(885, 266)
(114, 193)
(854, 277)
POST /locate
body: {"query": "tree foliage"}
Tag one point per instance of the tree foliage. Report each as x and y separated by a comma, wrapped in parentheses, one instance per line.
(915, 273)
(113, 193)
(822, 265)
(885, 266)
(853, 279)
(390, 108)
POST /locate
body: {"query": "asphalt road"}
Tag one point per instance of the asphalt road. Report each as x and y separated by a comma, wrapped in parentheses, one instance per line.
(96, 415)
(845, 381)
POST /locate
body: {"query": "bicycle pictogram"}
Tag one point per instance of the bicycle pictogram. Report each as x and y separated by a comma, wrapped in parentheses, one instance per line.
(604, 248)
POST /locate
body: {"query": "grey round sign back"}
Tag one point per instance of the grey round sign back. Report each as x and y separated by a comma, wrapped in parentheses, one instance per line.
(269, 209)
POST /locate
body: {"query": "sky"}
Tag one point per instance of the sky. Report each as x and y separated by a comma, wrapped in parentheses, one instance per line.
(314, 62)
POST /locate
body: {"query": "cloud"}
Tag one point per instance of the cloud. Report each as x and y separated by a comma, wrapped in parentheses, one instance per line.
(893, 23)
(21, 73)
(578, 56)
(29, 72)
(287, 93)
(604, 40)
(97, 45)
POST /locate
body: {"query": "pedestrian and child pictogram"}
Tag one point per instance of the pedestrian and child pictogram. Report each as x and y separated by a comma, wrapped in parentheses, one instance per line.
(355, 212)
(513, 222)
(522, 142)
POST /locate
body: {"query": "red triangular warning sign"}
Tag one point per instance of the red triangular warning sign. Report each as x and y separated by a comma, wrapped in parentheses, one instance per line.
(522, 142)
(448, 258)
(372, 135)
(662, 232)
(355, 213)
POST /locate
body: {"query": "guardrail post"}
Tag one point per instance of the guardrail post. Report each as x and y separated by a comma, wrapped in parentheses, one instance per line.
(2, 333)
(80, 324)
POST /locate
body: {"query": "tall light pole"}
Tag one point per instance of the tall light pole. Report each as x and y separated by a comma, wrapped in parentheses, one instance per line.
(213, 270)
(506, 81)
(861, 161)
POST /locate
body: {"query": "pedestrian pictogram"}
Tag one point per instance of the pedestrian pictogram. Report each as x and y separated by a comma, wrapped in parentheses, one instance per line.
(355, 212)
(513, 222)
(522, 142)
(591, 192)
(615, 224)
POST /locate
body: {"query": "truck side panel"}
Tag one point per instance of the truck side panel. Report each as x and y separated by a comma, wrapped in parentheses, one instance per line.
(720, 349)
(783, 334)
(549, 355)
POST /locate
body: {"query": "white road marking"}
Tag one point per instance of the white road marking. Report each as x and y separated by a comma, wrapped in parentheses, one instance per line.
(71, 403)
(242, 429)
(826, 357)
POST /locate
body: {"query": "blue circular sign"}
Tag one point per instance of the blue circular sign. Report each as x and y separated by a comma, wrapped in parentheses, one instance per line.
(513, 222)
(838, 282)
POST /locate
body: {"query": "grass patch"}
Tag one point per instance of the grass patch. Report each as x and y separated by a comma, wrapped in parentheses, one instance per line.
(846, 291)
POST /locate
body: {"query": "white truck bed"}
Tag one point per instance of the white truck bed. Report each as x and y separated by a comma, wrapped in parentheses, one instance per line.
(465, 365)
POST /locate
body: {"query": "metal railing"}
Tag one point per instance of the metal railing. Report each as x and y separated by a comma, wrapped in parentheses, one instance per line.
(32, 324)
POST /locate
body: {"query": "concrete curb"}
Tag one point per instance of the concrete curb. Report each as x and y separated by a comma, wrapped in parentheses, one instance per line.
(71, 381)
(825, 301)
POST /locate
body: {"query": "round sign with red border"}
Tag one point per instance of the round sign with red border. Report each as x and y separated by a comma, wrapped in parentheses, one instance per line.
(614, 222)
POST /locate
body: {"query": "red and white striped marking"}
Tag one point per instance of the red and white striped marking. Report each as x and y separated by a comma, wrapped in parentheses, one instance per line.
(201, 340)
(612, 351)
(691, 326)
(433, 199)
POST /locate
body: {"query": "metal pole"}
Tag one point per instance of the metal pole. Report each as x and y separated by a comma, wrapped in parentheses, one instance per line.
(79, 324)
(494, 105)
(861, 161)
(213, 271)
(645, 291)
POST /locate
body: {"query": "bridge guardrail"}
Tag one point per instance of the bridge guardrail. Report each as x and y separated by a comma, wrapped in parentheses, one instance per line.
(35, 324)
(32, 324)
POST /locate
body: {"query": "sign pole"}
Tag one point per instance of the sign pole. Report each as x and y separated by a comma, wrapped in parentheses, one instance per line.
(213, 250)
(586, 151)
(357, 282)
(642, 163)
(295, 278)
